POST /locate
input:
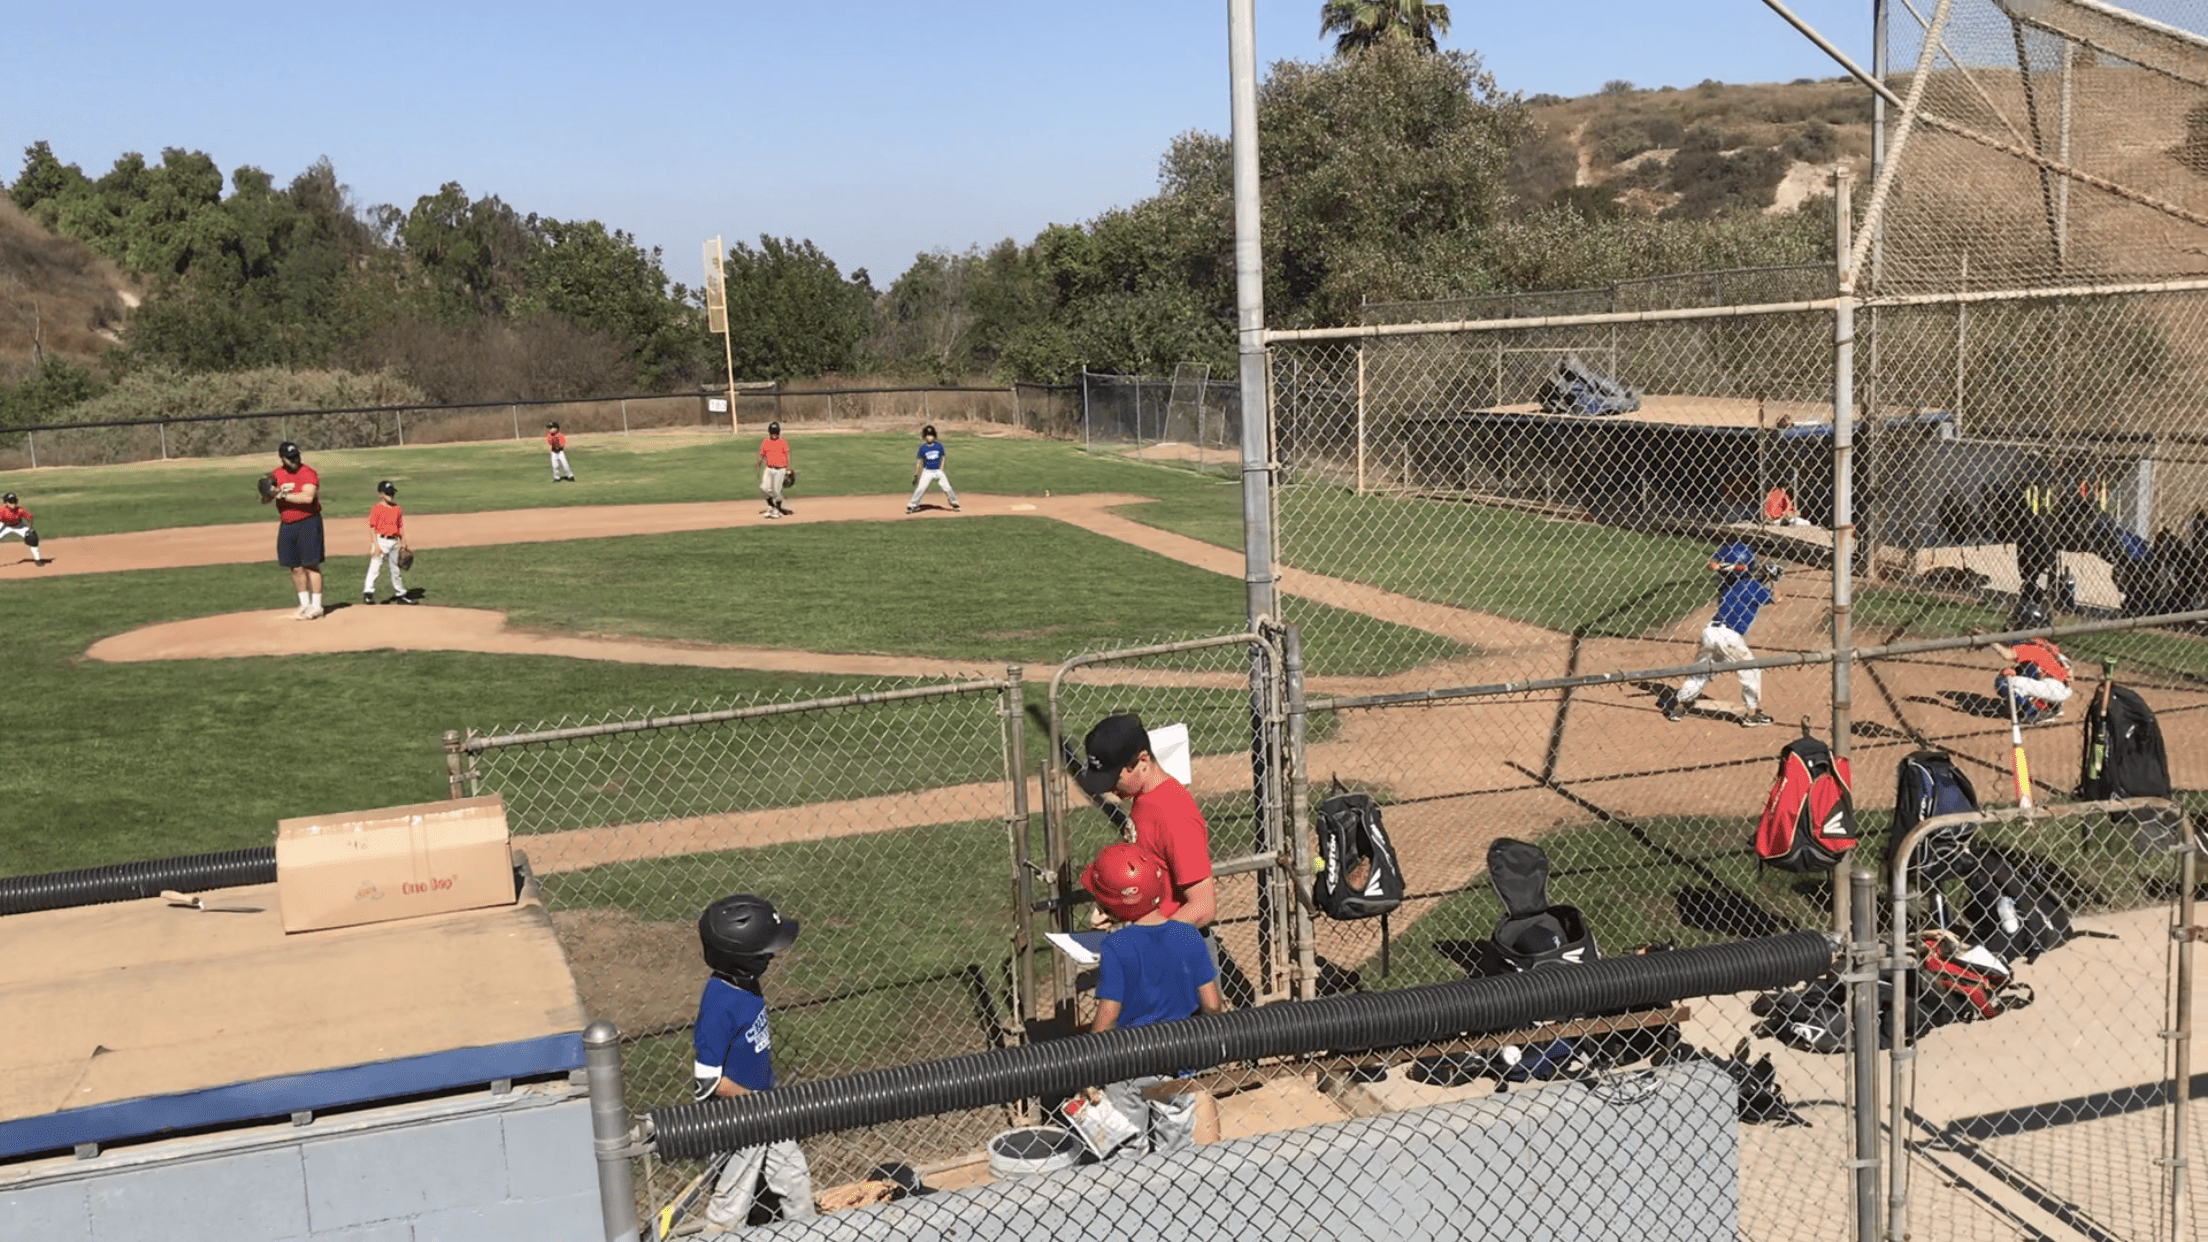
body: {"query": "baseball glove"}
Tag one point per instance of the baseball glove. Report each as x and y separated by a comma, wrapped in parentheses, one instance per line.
(268, 488)
(789, 478)
(857, 1194)
(406, 558)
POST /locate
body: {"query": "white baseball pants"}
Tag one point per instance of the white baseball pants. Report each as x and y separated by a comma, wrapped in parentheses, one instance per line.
(387, 553)
(25, 534)
(559, 466)
(787, 1175)
(770, 486)
(932, 478)
(2045, 689)
(1167, 1124)
(1719, 645)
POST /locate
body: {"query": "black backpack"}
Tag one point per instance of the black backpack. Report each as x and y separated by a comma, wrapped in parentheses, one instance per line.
(1532, 934)
(2013, 911)
(2123, 755)
(1573, 387)
(1926, 784)
(1349, 830)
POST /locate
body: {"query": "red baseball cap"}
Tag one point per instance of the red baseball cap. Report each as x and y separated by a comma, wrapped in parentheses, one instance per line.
(1128, 881)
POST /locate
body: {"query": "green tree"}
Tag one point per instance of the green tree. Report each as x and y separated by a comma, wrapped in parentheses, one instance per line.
(600, 279)
(468, 256)
(791, 312)
(1361, 24)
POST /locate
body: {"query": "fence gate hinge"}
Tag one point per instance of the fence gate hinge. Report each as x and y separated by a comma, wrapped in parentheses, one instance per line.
(2181, 932)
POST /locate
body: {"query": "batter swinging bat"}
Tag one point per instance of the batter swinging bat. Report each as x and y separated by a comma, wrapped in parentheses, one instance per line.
(2016, 751)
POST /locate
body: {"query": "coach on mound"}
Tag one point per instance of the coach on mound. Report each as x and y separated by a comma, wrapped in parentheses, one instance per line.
(296, 491)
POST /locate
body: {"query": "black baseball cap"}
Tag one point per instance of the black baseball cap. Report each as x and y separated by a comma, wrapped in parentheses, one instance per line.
(928, 430)
(774, 429)
(388, 488)
(1113, 746)
(287, 451)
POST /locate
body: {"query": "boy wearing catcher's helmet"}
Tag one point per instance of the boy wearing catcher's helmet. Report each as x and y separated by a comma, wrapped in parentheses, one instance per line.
(741, 935)
(774, 471)
(1740, 595)
(386, 535)
(927, 471)
(16, 520)
(1152, 969)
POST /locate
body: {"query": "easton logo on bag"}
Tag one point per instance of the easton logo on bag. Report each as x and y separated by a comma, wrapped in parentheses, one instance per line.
(1928, 783)
(1809, 818)
(1349, 832)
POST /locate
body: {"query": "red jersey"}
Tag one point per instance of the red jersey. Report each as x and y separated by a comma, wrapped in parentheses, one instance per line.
(555, 441)
(2042, 654)
(385, 519)
(14, 515)
(774, 451)
(291, 510)
(1168, 824)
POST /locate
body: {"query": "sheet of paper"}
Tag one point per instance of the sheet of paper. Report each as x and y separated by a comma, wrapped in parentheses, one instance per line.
(1081, 954)
(1169, 746)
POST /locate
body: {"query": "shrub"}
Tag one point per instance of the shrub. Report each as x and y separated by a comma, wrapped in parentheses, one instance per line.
(1617, 86)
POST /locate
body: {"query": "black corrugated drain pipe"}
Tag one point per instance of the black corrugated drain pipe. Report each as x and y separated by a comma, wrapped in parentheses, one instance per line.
(93, 886)
(1407, 1016)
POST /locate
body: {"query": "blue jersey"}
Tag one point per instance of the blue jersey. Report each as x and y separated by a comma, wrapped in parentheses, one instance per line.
(730, 1039)
(1738, 602)
(1153, 971)
(931, 454)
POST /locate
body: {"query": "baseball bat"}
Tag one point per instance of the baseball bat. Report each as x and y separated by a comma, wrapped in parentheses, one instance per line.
(663, 1226)
(2016, 751)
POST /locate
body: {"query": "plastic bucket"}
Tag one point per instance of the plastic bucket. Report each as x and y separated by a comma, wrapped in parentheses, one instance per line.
(1030, 1150)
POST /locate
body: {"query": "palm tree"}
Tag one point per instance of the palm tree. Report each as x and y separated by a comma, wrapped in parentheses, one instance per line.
(1359, 24)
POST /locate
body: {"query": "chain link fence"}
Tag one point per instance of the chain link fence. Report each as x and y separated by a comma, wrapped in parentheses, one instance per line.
(880, 816)
(1188, 418)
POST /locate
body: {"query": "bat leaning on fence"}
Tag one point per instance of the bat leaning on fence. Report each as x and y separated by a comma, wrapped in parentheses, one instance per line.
(670, 1217)
(2021, 770)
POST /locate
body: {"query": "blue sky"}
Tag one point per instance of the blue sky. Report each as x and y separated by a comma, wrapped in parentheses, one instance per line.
(878, 128)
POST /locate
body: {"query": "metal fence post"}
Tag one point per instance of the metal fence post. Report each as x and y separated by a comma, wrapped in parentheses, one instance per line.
(455, 780)
(1863, 1049)
(625, 414)
(164, 441)
(514, 411)
(1304, 936)
(2181, 1035)
(402, 428)
(1023, 900)
(609, 1131)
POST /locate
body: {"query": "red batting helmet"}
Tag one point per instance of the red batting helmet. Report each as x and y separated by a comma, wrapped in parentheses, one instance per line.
(1128, 881)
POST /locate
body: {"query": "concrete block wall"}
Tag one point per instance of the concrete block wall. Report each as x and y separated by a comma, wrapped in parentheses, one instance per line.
(1658, 1156)
(516, 1167)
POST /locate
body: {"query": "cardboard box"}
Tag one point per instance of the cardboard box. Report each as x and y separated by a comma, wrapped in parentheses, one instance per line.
(396, 863)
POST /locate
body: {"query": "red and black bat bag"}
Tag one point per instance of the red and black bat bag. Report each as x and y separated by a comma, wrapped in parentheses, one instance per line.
(1809, 816)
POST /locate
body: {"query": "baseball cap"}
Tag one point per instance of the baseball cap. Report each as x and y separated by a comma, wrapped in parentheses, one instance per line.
(928, 430)
(774, 429)
(8, 499)
(1127, 880)
(1112, 747)
(387, 488)
(287, 451)
(551, 426)
(1734, 556)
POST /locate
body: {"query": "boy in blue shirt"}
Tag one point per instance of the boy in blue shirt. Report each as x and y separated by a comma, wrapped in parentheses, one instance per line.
(927, 469)
(741, 935)
(1740, 596)
(1153, 969)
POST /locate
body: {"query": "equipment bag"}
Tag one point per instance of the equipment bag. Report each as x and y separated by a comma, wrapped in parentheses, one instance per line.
(1809, 817)
(2123, 750)
(1975, 982)
(2013, 911)
(1573, 387)
(1532, 934)
(1350, 831)
(1928, 783)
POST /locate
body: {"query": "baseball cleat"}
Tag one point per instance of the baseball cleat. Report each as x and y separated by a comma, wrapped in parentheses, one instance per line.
(313, 613)
(912, 508)
(954, 506)
(404, 599)
(367, 597)
(1676, 712)
(1755, 720)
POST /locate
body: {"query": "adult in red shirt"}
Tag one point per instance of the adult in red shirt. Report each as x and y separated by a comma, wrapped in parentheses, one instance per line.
(298, 500)
(1164, 816)
(774, 471)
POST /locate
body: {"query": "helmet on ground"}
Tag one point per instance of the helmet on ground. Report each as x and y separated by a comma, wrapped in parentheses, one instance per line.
(387, 488)
(1127, 880)
(1734, 558)
(743, 926)
(289, 452)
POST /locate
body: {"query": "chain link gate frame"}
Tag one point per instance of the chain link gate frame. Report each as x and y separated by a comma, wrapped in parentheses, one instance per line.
(835, 808)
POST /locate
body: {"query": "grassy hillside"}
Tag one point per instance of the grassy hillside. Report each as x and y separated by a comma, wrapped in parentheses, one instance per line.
(56, 297)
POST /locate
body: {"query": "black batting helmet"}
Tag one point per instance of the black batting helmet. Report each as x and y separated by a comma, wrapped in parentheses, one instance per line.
(743, 926)
(774, 429)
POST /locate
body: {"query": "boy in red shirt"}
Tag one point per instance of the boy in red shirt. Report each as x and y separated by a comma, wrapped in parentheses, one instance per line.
(2038, 675)
(16, 520)
(386, 536)
(774, 470)
(557, 443)
(298, 500)
(1165, 817)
